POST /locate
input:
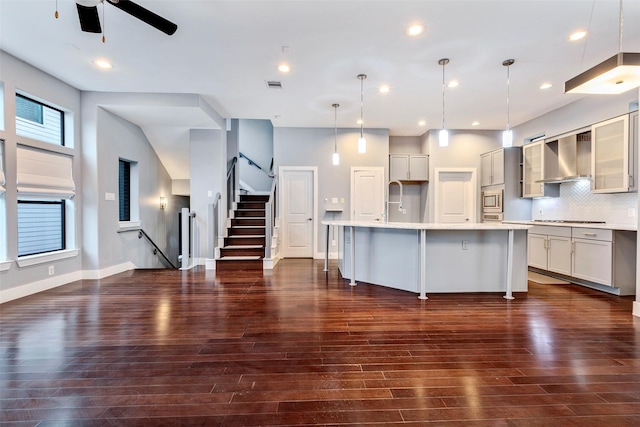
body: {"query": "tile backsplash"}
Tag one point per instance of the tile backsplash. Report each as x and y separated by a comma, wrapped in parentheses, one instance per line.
(576, 202)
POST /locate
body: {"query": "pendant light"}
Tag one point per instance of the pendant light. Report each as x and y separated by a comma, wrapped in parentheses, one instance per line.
(507, 135)
(362, 142)
(443, 137)
(336, 156)
(615, 75)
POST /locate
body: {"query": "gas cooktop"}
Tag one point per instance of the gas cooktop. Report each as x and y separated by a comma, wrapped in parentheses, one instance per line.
(569, 220)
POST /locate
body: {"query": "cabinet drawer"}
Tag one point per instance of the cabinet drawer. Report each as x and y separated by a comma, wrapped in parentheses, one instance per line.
(592, 233)
(551, 230)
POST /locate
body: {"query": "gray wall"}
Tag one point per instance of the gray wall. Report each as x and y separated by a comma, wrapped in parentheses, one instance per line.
(314, 147)
(255, 140)
(17, 75)
(465, 147)
(581, 113)
(208, 177)
(113, 138)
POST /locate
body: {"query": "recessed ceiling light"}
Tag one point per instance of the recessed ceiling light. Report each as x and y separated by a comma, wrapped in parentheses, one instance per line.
(415, 29)
(545, 85)
(384, 88)
(284, 68)
(475, 123)
(103, 63)
(453, 83)
(422, 123)
(578, 35)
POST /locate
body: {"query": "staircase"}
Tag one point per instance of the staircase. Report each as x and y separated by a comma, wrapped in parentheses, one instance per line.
(244, 245)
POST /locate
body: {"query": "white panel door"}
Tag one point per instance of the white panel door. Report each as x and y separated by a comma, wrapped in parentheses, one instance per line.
(298, 214)
(367, 194)
(455, 196)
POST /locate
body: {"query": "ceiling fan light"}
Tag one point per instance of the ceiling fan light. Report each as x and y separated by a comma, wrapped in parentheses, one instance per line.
(614, 76)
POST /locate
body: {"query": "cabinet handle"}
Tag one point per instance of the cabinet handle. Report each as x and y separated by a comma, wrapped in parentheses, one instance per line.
(573, 247)
(590, 234)
(408, 174)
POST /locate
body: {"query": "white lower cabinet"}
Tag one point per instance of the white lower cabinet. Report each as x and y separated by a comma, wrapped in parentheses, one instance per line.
(550, 248)
(559, 250)
(593, 255)
(600, 256)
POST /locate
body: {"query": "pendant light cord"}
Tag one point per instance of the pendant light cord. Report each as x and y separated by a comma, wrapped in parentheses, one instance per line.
(335, 127)
(620, 29)
(361, 77)
(443, 87)
(508, 85)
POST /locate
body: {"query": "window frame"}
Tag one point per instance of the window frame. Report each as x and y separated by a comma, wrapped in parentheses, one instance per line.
(63, 225)
(42, 104)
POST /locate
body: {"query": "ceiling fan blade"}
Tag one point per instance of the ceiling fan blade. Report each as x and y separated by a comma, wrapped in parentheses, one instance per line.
(89, 20)
(146, 15)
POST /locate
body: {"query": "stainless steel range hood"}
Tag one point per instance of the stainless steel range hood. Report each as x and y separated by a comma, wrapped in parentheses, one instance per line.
(567, 158)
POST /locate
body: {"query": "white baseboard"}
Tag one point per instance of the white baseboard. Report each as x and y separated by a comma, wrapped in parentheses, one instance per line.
(320, 255)
(270, 263)
(109, 271)
(636, 308)
(63, 279)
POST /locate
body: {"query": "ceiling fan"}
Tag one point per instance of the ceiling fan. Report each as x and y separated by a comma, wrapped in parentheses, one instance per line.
(90, 22)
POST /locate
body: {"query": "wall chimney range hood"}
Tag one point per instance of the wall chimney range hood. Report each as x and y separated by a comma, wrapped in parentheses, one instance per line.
(567, 158)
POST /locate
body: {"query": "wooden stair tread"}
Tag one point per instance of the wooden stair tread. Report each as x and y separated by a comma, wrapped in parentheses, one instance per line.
(239, 258)
(243, 247)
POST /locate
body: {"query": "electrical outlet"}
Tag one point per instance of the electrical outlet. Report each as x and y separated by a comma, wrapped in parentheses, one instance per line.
(541, 212)
(404, 211)
(52, 270)
(334, 243)
(465, 245)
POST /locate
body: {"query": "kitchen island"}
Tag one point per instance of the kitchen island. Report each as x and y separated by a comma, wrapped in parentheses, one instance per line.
(434, 258)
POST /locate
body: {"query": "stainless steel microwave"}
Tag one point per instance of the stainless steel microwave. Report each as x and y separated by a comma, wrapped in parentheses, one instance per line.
(492, 201)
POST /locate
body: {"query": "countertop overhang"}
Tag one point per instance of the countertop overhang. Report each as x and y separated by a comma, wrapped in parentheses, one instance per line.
(430, 225)
(603, 226)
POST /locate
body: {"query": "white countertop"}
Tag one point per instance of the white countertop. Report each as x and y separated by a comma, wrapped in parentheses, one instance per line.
(605, 226)
(429, 225)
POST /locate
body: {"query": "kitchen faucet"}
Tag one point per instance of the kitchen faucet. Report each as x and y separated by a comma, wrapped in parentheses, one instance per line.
(399, 203)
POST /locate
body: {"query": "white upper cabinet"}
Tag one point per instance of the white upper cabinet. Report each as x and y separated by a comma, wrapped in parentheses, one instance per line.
(408, 167)
(533, 172)
(492, 168)
(610, 156)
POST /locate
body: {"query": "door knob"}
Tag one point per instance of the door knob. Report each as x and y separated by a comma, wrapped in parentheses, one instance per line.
(309, 219)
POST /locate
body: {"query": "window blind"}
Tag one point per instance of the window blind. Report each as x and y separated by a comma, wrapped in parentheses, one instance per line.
(43, 174)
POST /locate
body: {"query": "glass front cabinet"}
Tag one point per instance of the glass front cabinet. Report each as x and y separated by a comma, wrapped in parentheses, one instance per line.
(613, 156)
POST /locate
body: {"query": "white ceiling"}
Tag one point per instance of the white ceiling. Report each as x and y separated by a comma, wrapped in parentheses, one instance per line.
(226, 51)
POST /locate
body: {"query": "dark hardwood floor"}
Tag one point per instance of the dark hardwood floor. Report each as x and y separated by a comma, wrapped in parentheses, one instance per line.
(299, 347)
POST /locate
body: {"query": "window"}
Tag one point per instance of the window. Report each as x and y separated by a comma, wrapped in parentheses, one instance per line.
(38, 121)
(40, 226)
(44, 183)
(124, 190)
